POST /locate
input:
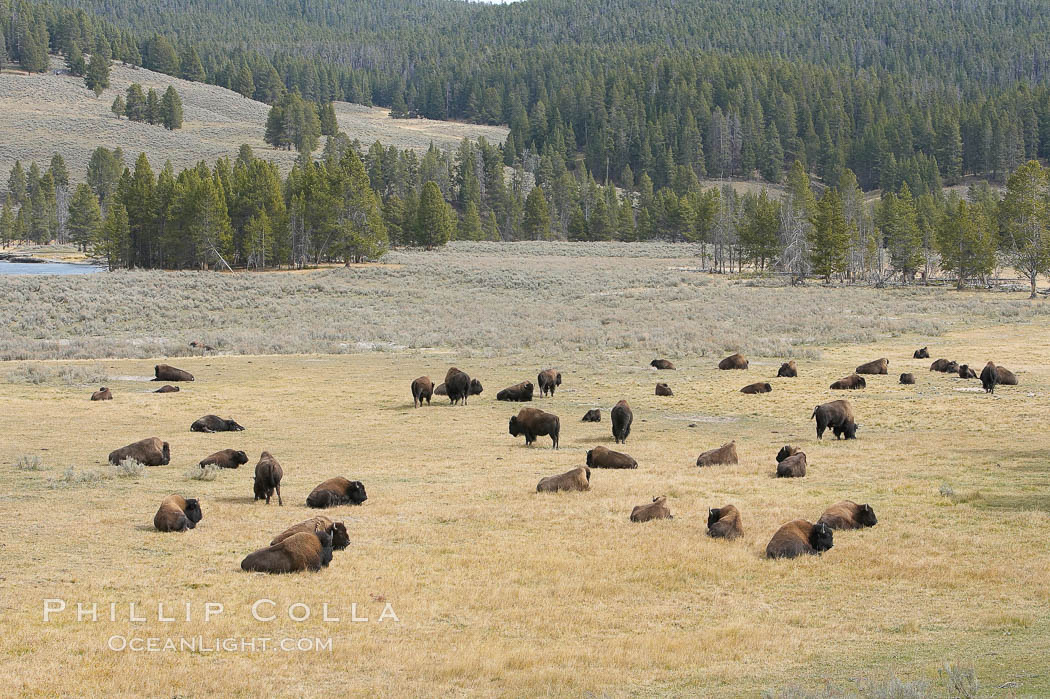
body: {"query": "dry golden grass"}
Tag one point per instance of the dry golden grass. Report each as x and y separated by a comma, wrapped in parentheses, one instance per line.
(503, 591)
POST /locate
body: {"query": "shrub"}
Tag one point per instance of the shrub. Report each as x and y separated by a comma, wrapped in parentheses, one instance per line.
(208, 473)
(30, 463)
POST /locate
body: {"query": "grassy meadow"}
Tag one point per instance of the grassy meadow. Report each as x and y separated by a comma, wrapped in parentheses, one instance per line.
(497, 589)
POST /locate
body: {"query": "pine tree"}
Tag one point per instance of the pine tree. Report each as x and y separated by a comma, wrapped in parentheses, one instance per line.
(537, 222)
(97, 75)
(772, 163)
(829, 237)
(329, 125)
(900, 228)
(1025, 219)
(243, 82)
(119, 107)
(758, 231)
(160, 56)
(434, 218)
(171, 109)
(33, 48)
(470, 224)
(85, 217)
(16, 183)
(7, 223)
(152, 107)
(75, 60)
(966, 242)
(112, 242)
(135, 103)
(190, 67)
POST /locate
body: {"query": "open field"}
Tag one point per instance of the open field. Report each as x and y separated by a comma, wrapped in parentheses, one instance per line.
(45, 113)
(502, 591)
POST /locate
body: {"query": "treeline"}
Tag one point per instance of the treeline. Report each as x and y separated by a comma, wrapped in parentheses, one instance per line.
(624, 89)
(149, 108)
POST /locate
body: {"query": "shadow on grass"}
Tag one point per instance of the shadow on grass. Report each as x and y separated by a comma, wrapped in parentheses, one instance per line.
(231, 500)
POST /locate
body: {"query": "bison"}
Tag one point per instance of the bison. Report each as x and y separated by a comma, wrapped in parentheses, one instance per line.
(622, 417)
(786, 451)
(851, 382)
(989, 377)
(760, 387)
(340, 539)
(548, 380)
(592, 415)
(657, 509)
(787, 370)
(518, 393)
(177, 514)
(102, 394)
(214, 423)
(168, 389)
(923, 353)
(422, 390)
(268, 475)
(965, 372)
(227, 458)
(907, 379)
(945, 366)
(441, 390)
(337, 491)
(600, 457)
(149, 452)
(838, 415)
(793, 466)
(300, 551)
(534, 423)
(163, 372)
(800, 537)
(733, 361)
(877, 366)
(724, 522)
(1005, 377)
(577, 479)
(458, 385)
(725, 454)
(661, 364)
(663, 389)
(848, 515)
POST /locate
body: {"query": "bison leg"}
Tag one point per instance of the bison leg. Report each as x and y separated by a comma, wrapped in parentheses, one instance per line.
(280, 502)
(820, 428)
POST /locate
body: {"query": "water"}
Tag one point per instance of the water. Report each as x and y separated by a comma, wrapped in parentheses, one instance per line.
(46, 268)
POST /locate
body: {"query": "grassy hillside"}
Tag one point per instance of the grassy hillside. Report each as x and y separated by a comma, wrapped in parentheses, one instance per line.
(45, 113)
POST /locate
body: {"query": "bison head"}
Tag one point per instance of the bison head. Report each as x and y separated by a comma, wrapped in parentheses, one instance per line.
(785, 452)
(557, 380)
(866, 516)
(340, 539)
(475, 387)
(590, 456)
(165, 452)
(821, 537)
(713, 515)
(232, 426)
(515, 428)
(325, 537)
(356, 492)
(193, 512)
(239, 457)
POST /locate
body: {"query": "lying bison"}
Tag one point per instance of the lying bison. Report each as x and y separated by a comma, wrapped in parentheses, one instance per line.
(787, 370)
(548, 380)
(793, 466)
(838, 415)
(335, 492)
(441, 390)
(733, 361)
(534, 423)
(177, 514)
(600, 457)
(725, 454)
(760, 387)
(851, 382)
(663, 389)
(268, 475)
(800, 537)
(196, 344)
(227, 458)
(622, 417)
(577, 479)
(592, 415)
(168, 389)
(907, 378)
(965, 372)
(945, 366)
(163, 372)
(149, 452)
(923, 353)
(661, 364)
(299, 552)
(422, 390)
(518, 393)
(102, 394)
(724, 522)
(848, 515)
(657, 509)
(1004, 377)
(214, 423)
(878, 366)
(340, 539)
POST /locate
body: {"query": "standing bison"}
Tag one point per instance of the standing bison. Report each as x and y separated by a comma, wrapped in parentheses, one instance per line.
(459, 386)
(661, 364)
(422, 390)
(851, 382)
(177, 514)
(848, 515)
(577, 479)
(798, 538)
(214, 423)
(301, 551)
(268, 475)
(657, 509)
(923, 353)
(989, 377)
(787, 370)
(337, 491)
(724, 522)
(163, 372)
(878, 366)
(548, 380)
(149, 452)
(622, 417)
(733, 361)
(600, 457)
(534, 423)
(838, 415)
(725, 454)
(518, 393)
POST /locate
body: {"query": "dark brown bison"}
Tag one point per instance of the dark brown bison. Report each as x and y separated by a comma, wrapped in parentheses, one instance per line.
(907, 378)
(577, 479)
(548, 380)
(592, 415)
(724, 522)
(787, 370)
(441, 390)
(661, 364)
(725, 454)
(168, 389)
(838, 415)
(227, 458)
(457, 383)
(760, 387)
(800, 537)
(923, 353)
(851, 382)
(518, 393)
(533, 423)
(663, 389)
(786, 451)
(177, 514)
(335, 492)
(600, 457)
(201, 346)
(945, 366)
(848, 515)
(965, 372)
(793, 466)
(657, 509)
(214, 423)
(877, 366)
(622, 417)
(301, 551)
(733, 361)
(340, 539)
(149, 452)
(102, 394)
(1005, 377)
(268, 475)
(989, 377)
(422, 390)
(163, 372)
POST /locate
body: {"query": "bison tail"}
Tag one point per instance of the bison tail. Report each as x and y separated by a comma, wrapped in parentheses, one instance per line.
(814, 412)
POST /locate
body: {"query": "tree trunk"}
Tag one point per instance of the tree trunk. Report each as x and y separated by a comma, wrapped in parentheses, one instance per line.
(1032, 279)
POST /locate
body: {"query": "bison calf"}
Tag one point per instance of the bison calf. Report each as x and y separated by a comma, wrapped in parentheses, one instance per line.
(177, 514)
(548, 380)
(800, 537)
(848, 515)
(965, 372)
(301, 551)
(422, 389)
(600, 457)
(724, 522)
(577, 479)
(102, 394)
(268, 475)
(163, 372)
(149, 452)
(850, 383)
(337, 491)
(907, 378)
(518, 393)
(663, 389)
(340, 539)
(921, 354)
(593, 415)
(168, 389)
(534, 423)
(227, 458)
(725, 454)
(787, 370)
(733, 361)
(622, 417)
(838, 415)
(657, 509)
